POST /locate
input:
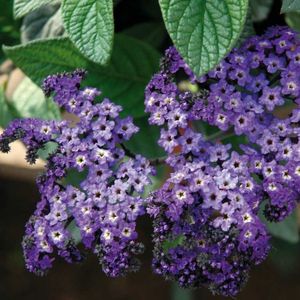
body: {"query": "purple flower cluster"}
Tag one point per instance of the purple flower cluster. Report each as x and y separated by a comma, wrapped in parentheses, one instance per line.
(102, 210)
(240, 96)
(206, 228)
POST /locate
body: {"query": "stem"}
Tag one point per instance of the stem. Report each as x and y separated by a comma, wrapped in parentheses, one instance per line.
(153, 162)
(127, 151)
(157, 161)
(221, 135)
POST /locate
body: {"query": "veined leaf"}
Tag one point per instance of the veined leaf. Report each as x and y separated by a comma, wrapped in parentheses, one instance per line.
(204, 31)
(90, 26)
(123, 80)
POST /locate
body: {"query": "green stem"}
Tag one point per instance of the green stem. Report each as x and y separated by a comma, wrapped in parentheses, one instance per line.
(157, 161)
(153, 162)
(220, 135)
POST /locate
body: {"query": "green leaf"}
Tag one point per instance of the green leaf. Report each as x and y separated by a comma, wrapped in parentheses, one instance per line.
(293, 20)
(286, 230)
(90, 26)
(169, 244)
(41, 58)
(145, 141)
(155, 36)
(123, 80)
(260, 9)
(204, 31)
(29, 101)
(290, 5)
(23, 7)
(5, 113)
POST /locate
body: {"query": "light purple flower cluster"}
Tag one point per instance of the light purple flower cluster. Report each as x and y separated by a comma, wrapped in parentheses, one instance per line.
(206, 228)
(207, 231)
(102, 210)
(240, 96)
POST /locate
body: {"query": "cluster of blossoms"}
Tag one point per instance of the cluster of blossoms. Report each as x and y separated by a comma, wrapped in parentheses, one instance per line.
(206, 226)
(206, 231)
(104, 207)
(209, 206)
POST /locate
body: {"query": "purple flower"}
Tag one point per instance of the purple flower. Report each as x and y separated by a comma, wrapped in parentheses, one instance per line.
(196, 239)
(274, 63)
(206, 229)
(104, 207)
(271, 97)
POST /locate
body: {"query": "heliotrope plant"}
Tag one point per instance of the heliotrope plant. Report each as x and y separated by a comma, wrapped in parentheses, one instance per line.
(209, 205)
(205, 215)
(108, 201)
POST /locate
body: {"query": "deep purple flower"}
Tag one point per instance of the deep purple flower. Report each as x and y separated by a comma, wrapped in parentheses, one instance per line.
(195, 240)
(102, 210)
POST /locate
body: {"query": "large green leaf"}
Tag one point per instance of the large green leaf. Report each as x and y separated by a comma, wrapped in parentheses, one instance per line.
(203, 31)
(90, 26)
(41, 58)
(23, 7)
(290, 5)
(123, 80)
